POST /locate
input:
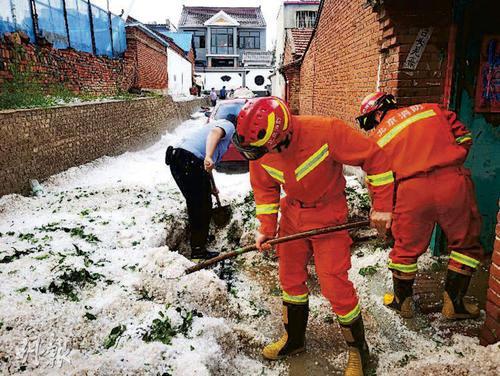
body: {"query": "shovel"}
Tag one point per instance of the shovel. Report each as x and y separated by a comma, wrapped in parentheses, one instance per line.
(300, 235)
(220, 214)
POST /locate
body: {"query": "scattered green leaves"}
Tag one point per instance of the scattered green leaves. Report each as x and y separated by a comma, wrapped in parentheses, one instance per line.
(70, 280)
(163, 331)
(369, 270)
(113, 337)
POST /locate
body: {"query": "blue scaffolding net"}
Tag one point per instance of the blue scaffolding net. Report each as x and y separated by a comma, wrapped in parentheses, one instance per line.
(71, 23)
(80, 34)
(15, 15)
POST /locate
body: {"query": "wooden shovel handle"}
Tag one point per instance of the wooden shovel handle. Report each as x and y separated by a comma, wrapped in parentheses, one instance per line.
(214, 189)
(300, 235)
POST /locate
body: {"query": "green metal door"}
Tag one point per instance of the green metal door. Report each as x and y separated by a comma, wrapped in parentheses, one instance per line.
(477, 20)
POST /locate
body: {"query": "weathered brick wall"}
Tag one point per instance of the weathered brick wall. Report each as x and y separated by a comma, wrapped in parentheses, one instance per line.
(400, 22)
(151, 60)
(143, 66)
(292, 75)
(490, 332)
(38, 143)
(357, 50)
(78, 71)
(341, 64)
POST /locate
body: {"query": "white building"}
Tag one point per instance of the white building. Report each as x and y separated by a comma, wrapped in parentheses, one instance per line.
(180, 71)
(230, 45)
(293, 14)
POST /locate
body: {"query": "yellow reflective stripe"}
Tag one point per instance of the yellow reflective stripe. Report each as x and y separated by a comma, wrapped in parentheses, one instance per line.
(346, 319)
(295, 299)
(463, 259)
(312, 162)
(285, 114)
(401, 126)
(271, 119)
(276, 174)
(381, 179)
(267, 209)
(410, 268)
(464, 138)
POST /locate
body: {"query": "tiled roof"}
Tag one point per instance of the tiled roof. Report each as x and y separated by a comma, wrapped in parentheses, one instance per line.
(299, 39)
(180, 38)
(246, 16)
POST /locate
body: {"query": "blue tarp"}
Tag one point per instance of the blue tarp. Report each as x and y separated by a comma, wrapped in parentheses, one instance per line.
(51, 22)
(16, 15)
(79, 25)
(102, 32)
(182, 39)
(119, 36)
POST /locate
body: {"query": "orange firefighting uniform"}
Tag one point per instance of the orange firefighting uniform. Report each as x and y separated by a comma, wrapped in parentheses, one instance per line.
(310, 172)
(427, 147)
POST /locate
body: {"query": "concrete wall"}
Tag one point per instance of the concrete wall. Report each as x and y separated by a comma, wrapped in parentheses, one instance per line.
(289, 18)
(38, 143)
(179, 74)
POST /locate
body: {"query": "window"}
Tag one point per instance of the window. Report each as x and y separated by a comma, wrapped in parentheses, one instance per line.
(259, 80)
(305, 19)
(198, 38)
(222, 41)
(249, 40)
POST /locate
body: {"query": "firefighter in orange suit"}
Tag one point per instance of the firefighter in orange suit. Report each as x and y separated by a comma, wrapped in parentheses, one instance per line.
(427, 147)
(303, 155)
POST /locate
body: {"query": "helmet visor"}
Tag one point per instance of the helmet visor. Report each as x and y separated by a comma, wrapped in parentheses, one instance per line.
(367, 121)
(251, 153)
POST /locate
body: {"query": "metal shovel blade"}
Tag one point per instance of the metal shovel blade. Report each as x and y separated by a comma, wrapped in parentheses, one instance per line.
(221, 215)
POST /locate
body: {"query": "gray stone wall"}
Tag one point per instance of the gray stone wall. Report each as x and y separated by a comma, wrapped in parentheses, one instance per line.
(37, 143)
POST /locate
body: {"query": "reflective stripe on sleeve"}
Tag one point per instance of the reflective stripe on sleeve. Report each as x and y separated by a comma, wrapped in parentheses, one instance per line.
(381, 179)
(275, 173)
(350, 317)
(267, 209)
(463, 259)
(384, 140)
(295, 299)
(464, 138)
(405, 268)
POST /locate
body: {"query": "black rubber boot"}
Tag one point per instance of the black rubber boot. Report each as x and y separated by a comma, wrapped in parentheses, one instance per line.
(359, 354)
(202, 254)
(294, 340)
(455, 288)
(402, 299)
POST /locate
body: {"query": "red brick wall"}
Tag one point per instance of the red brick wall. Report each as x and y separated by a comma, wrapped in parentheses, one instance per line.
(292, 77)
(400, 23)
(490, 332)
(151, 60)
(79, 72)
(340, 66)
(144, 65)
(357, 50)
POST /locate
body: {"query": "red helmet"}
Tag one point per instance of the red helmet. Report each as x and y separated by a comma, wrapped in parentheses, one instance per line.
(374, 102)
(263, 124)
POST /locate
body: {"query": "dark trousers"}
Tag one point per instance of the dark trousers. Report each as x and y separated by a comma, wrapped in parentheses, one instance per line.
(194, 183)
(214, 102)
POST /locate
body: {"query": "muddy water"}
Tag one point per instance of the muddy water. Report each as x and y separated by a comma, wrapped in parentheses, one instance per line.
(326, 351)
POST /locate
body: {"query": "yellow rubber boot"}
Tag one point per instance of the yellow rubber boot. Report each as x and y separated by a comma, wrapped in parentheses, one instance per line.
(402, 299)
(454, 307)
(354, 334)
(293, 341)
